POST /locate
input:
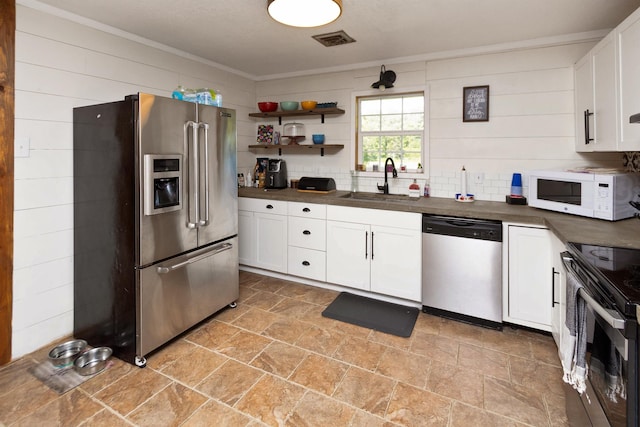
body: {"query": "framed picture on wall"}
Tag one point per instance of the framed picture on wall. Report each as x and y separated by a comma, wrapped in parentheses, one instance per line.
(475, 104)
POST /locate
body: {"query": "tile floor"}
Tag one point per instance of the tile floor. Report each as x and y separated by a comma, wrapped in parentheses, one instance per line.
(274, 360)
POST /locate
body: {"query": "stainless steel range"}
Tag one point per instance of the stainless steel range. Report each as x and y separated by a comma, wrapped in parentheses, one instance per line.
(610, 280)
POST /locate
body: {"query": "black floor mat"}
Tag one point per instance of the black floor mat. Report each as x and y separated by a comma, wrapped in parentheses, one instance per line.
(382, 316)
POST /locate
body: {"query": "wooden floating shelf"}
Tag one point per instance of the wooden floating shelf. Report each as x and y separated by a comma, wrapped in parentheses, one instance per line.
(315, 112)
(294, 147)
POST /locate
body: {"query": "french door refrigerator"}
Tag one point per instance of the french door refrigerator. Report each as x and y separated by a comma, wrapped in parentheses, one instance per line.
(155, 220)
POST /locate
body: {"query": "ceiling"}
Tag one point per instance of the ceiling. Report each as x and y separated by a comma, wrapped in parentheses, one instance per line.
(240, 36)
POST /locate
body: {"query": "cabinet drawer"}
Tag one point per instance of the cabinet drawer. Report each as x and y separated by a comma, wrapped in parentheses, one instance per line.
(307, 233)
(307, 210)
(307, 263)
(277, 207)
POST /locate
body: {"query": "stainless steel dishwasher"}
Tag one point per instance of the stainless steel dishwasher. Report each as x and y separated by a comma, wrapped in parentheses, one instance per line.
(462, 269)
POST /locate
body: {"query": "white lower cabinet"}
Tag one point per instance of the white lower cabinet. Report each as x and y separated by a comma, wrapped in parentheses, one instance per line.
(377, 251)
(262, 231)
(559, 310)
(528, 283)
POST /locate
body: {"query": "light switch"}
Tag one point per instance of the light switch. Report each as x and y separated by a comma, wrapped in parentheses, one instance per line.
(21, 148)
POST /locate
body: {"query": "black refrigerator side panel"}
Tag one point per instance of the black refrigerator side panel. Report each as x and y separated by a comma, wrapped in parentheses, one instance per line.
(104, 226)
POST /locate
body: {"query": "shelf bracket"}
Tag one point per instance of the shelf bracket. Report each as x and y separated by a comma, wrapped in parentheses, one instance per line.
(280, 120)
(322, 152)
(322, 120)
(279, 151)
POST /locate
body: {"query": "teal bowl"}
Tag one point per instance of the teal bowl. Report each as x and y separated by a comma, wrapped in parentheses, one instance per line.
(289, 105)
(318, 138)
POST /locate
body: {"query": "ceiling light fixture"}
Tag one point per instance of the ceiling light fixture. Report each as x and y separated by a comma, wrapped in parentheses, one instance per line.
(387, 78)
(304, 13)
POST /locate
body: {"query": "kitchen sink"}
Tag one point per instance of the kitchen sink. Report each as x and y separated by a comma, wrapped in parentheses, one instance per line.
(379, 197)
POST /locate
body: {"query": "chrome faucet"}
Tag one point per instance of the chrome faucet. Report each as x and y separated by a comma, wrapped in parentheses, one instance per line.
(385, 188)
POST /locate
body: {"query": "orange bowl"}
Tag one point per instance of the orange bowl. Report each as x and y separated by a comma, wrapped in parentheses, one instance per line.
(267, 107)
(308, 105)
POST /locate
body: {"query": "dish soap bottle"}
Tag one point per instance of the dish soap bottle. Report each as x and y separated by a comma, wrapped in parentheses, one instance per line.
(414, 189)
(427, 190)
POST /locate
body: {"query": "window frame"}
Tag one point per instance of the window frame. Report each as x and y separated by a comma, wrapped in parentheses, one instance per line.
(356, 152)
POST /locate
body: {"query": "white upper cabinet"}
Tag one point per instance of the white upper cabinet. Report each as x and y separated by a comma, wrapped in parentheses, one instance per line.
(596, 111)
(628, 40)
(607, 91)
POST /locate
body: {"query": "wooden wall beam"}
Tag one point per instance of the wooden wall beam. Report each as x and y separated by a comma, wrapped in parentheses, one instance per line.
(7, 114)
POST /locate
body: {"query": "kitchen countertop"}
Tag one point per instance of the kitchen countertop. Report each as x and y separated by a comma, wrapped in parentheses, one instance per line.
(569, 228)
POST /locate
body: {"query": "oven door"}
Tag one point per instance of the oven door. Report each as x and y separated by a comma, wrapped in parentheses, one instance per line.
(608, 363)
(612, 356)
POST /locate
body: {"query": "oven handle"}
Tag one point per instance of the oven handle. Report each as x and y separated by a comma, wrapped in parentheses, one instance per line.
(610, 316)
(164, 269)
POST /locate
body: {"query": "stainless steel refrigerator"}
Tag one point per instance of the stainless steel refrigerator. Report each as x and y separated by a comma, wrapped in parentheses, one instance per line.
(155, 220)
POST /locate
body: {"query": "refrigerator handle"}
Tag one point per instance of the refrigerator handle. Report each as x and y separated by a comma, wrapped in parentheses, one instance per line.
(193, 179)
(164, 269)
(205, 221)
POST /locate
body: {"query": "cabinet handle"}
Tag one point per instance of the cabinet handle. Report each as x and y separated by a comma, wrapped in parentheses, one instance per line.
(306, 263)
(366, 245)
(306, 210)
(372, 246)
(553, 287)
(587, 139)
(306, 232)
(269, 206)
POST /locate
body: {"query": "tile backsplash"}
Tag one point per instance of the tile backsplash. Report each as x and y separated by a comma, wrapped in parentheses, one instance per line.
(493, 186)
(631, 161)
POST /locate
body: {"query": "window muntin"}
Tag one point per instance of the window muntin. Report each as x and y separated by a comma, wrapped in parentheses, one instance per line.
(391, 126)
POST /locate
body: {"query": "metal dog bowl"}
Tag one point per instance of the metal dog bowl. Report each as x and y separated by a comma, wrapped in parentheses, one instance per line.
(93, 361)
(64, 354)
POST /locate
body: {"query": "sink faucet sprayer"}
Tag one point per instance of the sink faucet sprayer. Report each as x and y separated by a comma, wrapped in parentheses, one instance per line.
(385, 188)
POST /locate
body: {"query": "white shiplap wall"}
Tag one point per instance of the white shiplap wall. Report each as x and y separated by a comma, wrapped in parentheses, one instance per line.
(61, 65)
(531, 122)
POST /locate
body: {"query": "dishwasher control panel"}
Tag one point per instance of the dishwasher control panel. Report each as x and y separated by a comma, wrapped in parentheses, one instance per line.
(468, 228)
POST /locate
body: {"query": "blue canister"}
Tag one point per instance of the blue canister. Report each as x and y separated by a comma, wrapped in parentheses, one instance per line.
(516, 185)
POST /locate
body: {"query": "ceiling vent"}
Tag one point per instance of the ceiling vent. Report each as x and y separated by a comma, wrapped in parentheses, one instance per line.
(336, 38)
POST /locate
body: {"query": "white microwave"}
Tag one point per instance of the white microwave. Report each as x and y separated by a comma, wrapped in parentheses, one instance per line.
(589, 193)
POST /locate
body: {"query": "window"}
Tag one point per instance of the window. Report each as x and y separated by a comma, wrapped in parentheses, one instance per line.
(391, 126)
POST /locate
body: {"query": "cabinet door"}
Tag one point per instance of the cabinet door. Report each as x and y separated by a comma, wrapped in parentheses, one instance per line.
(348, 254)
(529, 277)
(584, 103)
(629, 71)
(559, 307)
(605, 95)
(271, 241)
(246, 241)
(396, 267)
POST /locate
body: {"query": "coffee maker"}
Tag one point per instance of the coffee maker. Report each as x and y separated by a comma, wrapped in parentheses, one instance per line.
(276, 174)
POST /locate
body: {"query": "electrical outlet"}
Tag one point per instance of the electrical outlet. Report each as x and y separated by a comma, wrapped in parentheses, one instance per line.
(21, 148)
(478, 178)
